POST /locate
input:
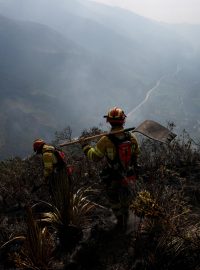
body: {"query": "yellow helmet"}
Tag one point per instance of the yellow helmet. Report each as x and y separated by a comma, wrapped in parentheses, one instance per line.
(116, 116)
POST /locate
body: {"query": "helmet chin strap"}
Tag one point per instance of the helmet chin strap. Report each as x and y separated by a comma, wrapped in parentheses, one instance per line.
(117, 125)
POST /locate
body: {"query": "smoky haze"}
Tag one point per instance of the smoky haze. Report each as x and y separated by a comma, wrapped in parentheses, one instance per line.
(178, 11)
(65, 63)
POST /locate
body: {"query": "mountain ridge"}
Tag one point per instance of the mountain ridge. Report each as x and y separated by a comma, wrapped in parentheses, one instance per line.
(59, 71)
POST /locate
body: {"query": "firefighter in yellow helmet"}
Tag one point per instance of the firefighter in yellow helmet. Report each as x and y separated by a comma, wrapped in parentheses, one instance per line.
(121, 152)
(53, 161)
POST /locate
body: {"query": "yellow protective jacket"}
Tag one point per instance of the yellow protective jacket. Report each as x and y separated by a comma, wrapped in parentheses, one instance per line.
(106, 148)
(49, 159)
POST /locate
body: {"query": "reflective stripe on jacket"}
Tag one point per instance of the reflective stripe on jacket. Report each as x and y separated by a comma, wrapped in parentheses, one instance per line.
(106, 148)
(49, 159)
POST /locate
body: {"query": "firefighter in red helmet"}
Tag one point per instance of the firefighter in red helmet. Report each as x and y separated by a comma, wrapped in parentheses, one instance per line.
(48, 156)
(121, 152)
(53, 161)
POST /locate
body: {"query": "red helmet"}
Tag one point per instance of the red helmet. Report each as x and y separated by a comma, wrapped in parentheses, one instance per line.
(116, 116)
(37, 144)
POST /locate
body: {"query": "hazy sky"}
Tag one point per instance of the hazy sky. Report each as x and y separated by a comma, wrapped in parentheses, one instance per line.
(171, 11)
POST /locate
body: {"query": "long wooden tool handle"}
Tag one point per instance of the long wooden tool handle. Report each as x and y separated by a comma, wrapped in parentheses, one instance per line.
(148, 128)
(97, 136)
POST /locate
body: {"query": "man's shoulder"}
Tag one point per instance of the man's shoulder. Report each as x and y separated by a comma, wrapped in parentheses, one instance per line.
(134, 139)
(48, 148)
(104, 141)
(132, 135)
(104, 138)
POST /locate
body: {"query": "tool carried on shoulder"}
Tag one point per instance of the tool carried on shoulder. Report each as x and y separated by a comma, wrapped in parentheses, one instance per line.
(148, 128)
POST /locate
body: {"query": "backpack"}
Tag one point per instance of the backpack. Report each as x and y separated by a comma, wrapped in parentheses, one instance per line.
(123, 148)
(60, 157)
(122, 164)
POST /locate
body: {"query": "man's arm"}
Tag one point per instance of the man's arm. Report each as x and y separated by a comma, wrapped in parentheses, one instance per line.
(97, 152)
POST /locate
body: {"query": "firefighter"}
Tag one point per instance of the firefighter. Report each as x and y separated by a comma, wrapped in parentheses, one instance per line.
(121, 153)
(53, 162)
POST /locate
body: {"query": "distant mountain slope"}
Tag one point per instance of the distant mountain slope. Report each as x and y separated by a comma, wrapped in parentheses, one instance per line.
(111, 32)
(47, 82)
(32, 58)
(66, 62)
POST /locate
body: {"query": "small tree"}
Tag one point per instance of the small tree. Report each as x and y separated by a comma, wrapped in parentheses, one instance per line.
(63, 135)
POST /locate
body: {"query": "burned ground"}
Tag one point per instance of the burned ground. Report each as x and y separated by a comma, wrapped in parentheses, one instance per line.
(163, 230)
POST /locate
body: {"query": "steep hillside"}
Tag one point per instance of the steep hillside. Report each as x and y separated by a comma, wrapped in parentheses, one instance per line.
(163, 229)
(136, 42)
(77, 58)
(32, 58)
(44, 77)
